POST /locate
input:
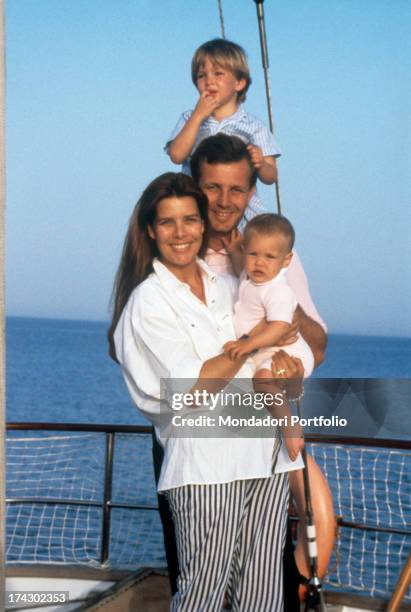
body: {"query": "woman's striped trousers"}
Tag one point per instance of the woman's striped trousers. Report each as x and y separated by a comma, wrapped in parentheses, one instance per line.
(230, 540)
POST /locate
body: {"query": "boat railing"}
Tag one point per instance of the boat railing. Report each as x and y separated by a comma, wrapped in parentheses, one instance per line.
(369, 478)
(106, 504)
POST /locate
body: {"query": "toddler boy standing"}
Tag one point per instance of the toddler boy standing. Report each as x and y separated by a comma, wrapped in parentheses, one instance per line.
(220, 72)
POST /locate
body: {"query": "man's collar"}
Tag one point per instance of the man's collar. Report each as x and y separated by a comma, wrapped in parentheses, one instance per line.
(222, 251)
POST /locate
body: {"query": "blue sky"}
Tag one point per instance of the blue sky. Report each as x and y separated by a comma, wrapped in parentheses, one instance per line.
(94, 87)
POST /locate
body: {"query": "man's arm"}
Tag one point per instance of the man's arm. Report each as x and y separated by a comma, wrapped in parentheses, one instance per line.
(313, 334)
(306, 320)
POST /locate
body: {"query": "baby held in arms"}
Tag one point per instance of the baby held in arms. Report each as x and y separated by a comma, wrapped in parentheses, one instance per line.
(265, 294)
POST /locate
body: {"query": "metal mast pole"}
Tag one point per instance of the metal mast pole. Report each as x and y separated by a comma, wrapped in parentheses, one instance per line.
(2, 319)
(315, 598)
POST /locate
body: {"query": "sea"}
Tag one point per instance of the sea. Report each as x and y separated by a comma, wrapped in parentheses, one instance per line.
(60, 371)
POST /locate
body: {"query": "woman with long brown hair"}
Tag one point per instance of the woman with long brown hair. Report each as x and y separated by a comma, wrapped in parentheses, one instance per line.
(172, 316)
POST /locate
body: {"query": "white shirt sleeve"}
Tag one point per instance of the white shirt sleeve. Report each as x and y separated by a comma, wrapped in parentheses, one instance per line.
(179, 126)
(163, 337)
(151, 345)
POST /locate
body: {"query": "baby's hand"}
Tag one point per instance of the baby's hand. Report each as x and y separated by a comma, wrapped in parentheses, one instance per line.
(257, 156)
(237, 348)
(293, 446)
(206, 105)
(234, 242)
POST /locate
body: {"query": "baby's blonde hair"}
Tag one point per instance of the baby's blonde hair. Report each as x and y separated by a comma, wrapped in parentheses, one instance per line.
(268, 224)
(226, 54)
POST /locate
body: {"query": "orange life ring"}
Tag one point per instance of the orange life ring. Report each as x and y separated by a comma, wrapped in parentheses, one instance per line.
(324, 518)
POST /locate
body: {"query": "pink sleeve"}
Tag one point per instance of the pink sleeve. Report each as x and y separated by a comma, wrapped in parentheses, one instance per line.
(298, 282)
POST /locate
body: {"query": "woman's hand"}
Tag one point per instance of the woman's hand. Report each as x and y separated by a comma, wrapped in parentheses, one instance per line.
(293, 445)
(293, 438)
(290, 370)
(285, 366)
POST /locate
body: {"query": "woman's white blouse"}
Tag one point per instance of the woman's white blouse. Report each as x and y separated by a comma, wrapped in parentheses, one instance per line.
(166, 332)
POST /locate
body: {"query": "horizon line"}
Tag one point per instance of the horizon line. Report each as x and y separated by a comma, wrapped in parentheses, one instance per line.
(106, 321)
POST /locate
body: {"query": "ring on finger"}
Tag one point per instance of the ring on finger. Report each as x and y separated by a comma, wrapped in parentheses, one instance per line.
(281, 372)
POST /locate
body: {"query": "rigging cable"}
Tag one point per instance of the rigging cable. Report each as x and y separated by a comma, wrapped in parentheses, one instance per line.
(220, 12)
(264, 55)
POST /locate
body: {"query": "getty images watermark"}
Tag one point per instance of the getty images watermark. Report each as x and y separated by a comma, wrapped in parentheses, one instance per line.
(235, 410)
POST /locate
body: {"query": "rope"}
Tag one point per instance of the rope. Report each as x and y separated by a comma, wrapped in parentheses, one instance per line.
(220, 12)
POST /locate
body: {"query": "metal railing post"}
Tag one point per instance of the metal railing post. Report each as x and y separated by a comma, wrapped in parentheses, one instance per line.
(108, 481)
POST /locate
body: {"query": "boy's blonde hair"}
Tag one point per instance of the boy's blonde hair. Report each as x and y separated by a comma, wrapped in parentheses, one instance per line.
(226, 54)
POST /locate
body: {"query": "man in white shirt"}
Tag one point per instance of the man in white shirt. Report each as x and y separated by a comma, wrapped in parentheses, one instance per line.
(222, 168)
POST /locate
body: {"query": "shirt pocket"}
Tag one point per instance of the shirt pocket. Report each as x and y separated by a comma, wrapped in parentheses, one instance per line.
(225, 326)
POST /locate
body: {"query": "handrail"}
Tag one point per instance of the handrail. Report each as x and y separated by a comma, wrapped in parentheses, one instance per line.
(373, 442)
(107, 504)
(147, 429)
(111, 430)
(96, 427)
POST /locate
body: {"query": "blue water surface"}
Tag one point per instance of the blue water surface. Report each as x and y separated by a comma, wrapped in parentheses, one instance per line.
(60, 371)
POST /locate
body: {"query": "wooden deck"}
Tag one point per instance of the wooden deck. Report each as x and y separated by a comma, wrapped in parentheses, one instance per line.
(149, 592)
(146, 592)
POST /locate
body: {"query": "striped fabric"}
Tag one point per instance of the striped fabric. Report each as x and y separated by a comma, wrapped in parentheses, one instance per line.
(230, 540)
(244, 125)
